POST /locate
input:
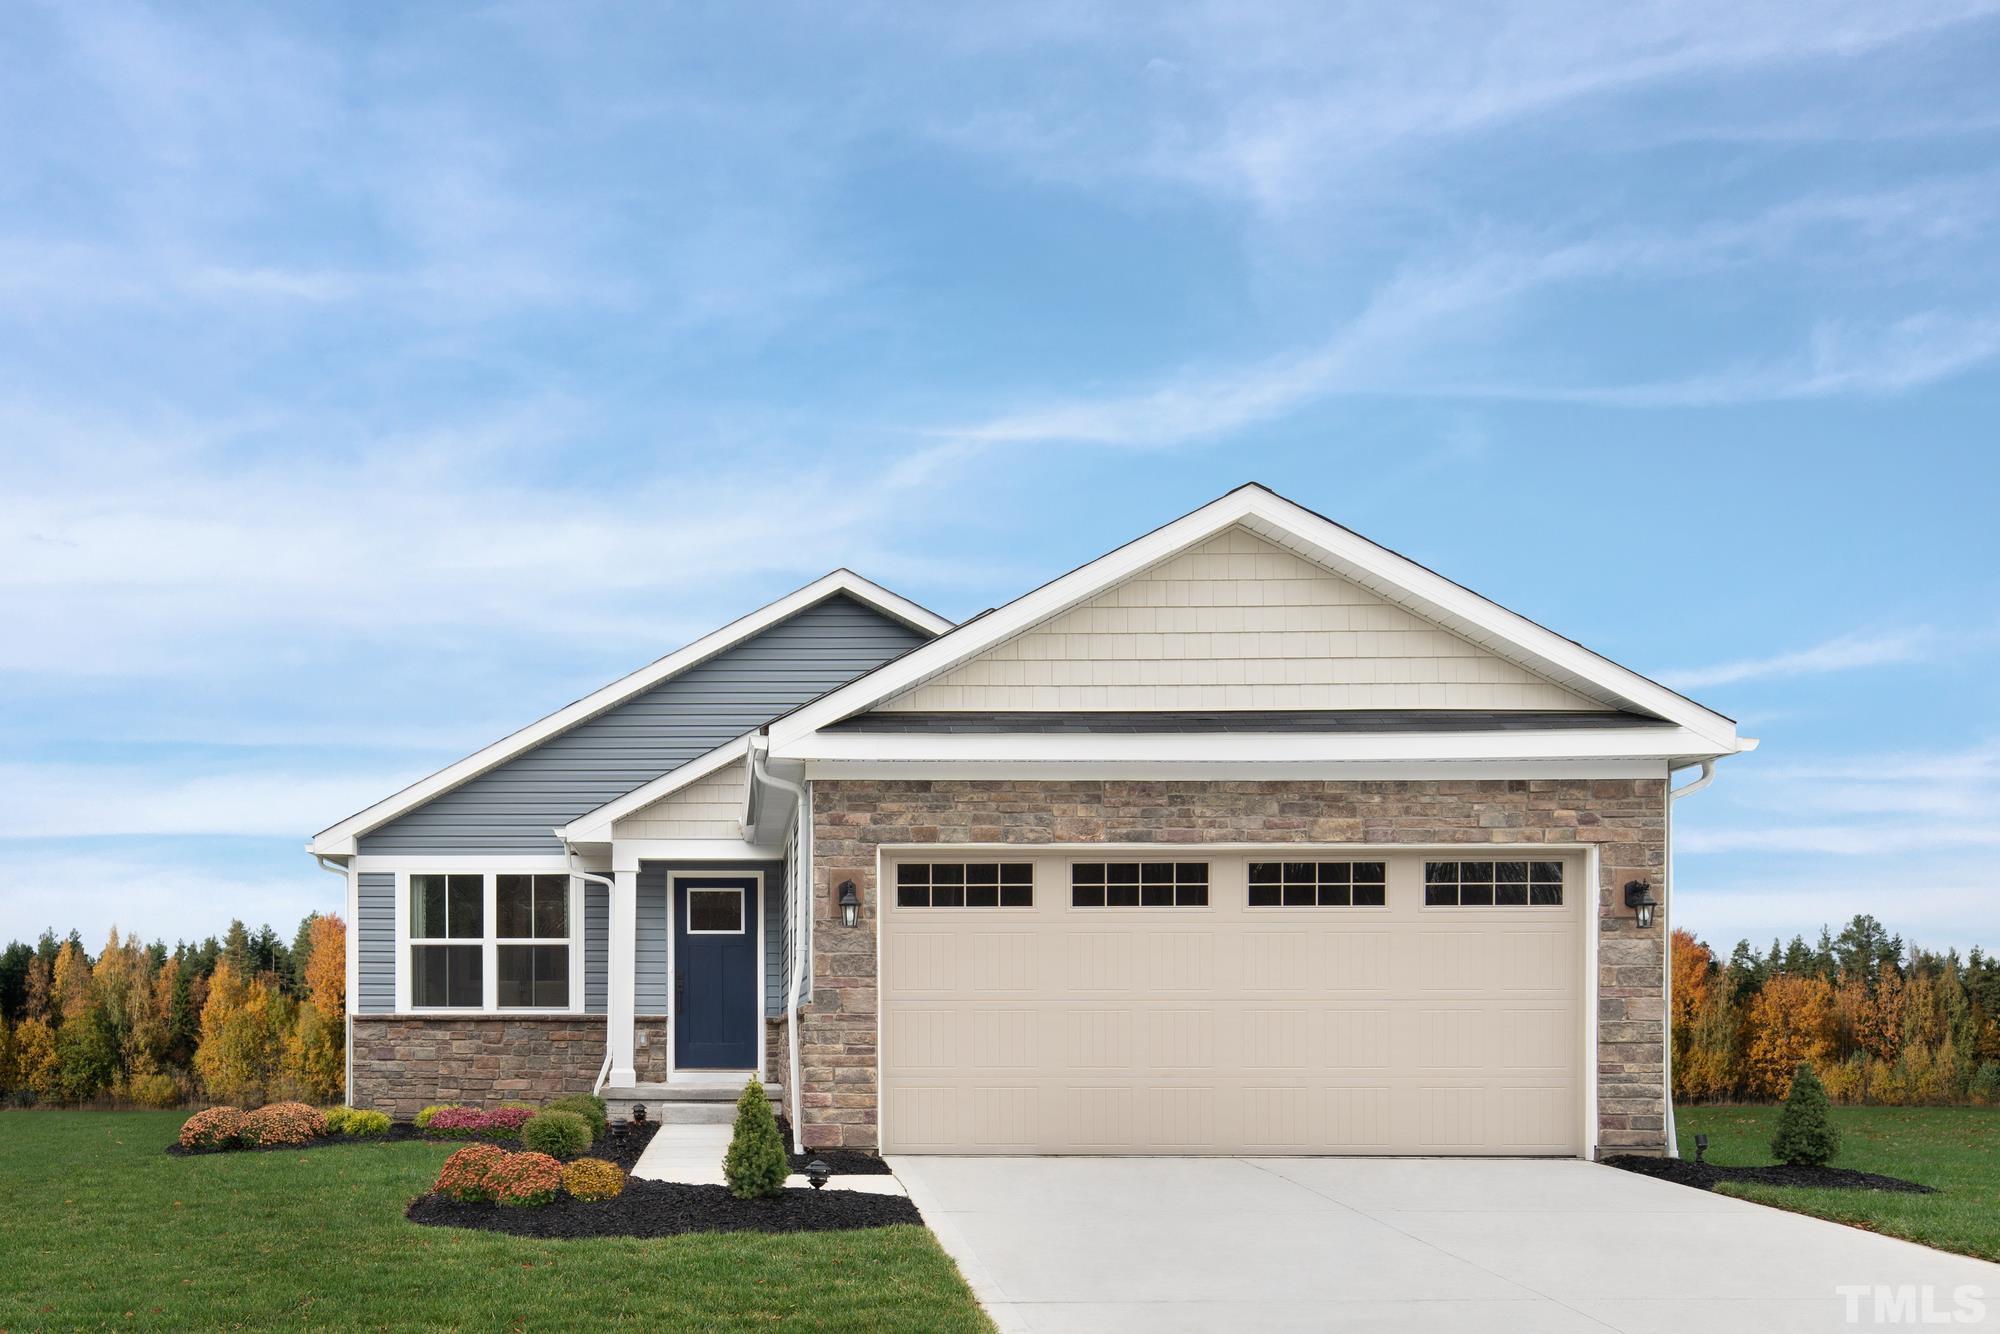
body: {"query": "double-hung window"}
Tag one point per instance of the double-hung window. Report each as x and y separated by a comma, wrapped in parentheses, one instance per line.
(490, 942)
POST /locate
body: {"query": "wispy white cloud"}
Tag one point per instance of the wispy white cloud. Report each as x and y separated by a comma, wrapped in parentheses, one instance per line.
(1840, 654)
(98, 801)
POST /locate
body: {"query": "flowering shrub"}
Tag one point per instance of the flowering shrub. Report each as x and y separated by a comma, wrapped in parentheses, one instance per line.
(593, 1179)
(354, 1121)
(154, 1090)
(525, 1179)
(471, 1123)
(283, 1123)
(215, 1128)
(425, 1116)
(463, 1176)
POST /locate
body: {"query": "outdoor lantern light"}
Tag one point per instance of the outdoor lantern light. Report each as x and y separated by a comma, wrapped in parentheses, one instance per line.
(1700, 1147)
(850, 904)
(639, 1114)
(817, 1172)
(1639, 898)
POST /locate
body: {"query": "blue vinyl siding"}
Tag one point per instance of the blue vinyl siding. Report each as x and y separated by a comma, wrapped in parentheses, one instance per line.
(375, 939)
(511, 809)
(596, 947)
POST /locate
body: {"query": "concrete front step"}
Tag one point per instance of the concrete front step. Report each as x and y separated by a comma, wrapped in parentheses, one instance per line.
(684, 1104)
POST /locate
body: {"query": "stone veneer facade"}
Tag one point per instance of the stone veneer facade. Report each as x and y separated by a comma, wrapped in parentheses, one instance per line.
(853, 818)
(404, 1063)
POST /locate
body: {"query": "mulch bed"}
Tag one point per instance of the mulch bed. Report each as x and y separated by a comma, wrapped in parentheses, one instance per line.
(839, 1162)
(670, 1209)
(1706, 1176)
(623, 1149)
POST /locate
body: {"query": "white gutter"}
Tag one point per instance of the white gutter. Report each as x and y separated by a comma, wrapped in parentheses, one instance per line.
(569, 858)
(796, 978)
(346, 1019)
(1667, 960)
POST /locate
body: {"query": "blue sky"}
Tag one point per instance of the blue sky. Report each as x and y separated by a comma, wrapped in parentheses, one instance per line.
(374, 380)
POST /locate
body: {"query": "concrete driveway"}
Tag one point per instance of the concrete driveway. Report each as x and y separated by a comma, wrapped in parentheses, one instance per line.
(1404, 1244)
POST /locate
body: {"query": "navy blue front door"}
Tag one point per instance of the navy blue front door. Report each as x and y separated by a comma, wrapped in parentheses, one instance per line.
(717, 983)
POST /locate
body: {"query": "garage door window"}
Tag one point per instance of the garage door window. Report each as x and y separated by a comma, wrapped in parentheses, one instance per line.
(1493, 884)
(965, 885)
(1139, 885)
(1318, 884)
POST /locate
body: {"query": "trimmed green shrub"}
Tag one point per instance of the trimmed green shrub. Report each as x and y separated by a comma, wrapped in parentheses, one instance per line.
(154, 1090)
(356, 1122)
(424, 1117)
(586, 1105)
(558, 1134)
(1805, 1134)
(593, 1179)
(215, 1128)
(528, 1179)
(756, 1164)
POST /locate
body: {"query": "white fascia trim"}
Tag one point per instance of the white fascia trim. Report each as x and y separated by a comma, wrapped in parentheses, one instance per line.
(595, 826)
(627, 853)
(1196, 771)
(463, 862)
(1291, 525)
(1660, 743)
(339, 839)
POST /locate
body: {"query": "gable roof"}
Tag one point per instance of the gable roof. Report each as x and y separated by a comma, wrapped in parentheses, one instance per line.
(1317, 539)
(341, 839)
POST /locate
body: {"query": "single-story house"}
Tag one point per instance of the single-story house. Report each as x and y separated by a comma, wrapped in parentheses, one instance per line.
(1250, 836)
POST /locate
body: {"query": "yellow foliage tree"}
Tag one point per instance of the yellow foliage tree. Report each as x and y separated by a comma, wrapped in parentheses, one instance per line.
(241, 1053)
(69, 991)
(316, 1043)
(1791, 1020)
(35, 1058)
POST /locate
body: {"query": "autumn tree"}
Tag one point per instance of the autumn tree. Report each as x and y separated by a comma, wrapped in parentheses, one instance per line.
(1791, 1020)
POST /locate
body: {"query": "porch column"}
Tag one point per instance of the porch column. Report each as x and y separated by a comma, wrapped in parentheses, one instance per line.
(623, 963)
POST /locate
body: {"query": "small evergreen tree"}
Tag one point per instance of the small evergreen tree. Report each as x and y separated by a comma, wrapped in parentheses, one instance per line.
(756, 1164)
(1805, 1134)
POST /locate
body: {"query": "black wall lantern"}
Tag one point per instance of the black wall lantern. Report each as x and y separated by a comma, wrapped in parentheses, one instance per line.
(850, 904)
(1639, 898)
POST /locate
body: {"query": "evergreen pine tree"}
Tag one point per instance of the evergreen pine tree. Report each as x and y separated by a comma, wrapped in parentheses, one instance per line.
(756, 1164)
(1806, 1135)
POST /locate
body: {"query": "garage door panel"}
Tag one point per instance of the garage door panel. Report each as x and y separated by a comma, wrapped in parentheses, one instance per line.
(1225, 1029)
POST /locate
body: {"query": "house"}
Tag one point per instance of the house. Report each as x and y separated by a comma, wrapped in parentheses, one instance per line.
(1248, 836)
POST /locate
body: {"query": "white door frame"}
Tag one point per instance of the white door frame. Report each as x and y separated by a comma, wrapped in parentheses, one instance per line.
(673, 1017)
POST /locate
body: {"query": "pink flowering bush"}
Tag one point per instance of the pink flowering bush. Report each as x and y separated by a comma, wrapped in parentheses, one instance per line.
(527, 1179)
(215, 1128)
(471, 1123)
(464, 1175)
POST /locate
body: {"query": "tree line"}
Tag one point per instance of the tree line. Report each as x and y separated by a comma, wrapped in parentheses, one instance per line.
(243, 1019)
(1881, 1022)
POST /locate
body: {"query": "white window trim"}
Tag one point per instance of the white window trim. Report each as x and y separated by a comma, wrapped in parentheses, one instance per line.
(489, 943)
(741, 893)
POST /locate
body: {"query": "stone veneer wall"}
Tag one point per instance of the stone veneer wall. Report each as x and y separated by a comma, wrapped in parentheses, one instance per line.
(852, 818)
(404, 1063)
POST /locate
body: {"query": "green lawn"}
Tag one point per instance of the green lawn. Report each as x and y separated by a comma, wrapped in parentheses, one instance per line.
(99, 1227)
(1956, 1149)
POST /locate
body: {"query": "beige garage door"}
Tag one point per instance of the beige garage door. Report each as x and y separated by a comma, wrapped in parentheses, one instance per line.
(1333, 1002)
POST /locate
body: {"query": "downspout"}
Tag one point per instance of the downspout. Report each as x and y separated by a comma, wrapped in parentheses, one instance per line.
(1667, 972)
(346, 1019)
(569, 860)
(796, 980)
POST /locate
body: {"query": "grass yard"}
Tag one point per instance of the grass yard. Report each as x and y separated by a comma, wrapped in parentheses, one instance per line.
(99, 1227)
(1956, 1149)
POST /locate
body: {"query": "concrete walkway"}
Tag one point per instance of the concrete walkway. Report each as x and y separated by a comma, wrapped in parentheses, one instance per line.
(1404, 1244)
(692, 1155)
